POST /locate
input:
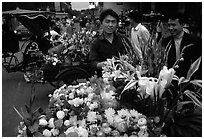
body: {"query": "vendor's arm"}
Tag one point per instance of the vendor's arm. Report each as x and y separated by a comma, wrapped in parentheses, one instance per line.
(94, 56)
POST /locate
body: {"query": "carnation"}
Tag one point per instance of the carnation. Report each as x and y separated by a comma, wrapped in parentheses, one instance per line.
(43, 122)
(51, 123)
(47, 133)
(55, 132)
(60, 114)
(124, 113)
(66, 122)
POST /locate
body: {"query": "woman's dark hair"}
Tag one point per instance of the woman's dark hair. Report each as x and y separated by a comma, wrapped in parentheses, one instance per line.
(108, 12)
(135, 15)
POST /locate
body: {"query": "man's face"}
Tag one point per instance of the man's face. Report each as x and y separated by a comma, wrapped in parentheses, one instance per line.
(174, 27)
(109, 24)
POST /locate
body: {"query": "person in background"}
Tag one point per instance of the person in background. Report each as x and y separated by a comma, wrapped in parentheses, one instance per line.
(56, 26)
(139, 34)
(63, 27)
(109, 43)
(69, 24)
(180, 41)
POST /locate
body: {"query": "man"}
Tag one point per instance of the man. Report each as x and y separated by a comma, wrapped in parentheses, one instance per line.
(109, 43)
(139, 34)
(181, 42)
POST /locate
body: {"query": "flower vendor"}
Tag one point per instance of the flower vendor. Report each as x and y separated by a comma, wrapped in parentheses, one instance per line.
(110, 43)
(182, 48)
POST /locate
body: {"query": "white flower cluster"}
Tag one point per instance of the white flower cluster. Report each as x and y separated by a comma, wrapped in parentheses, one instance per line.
(52, 59)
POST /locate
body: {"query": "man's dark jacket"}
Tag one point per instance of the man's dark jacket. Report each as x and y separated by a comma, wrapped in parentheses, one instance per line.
(191, 54)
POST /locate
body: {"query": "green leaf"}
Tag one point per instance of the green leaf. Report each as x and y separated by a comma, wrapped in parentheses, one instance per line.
(37, 134)
(129, 85)
(197, 82)
(180, 104)
(58, 123)
(18, 113)
(181, 80)
(193, 68)
(34, 127)
(193, 98)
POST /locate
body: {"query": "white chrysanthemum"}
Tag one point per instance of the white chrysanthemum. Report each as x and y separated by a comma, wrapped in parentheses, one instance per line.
(91, 116)
(134, 113)
(117, 119)
(110, 112)
(47, 133)
(51, 123)
(55, 132)
(43, 122)
(71, 95)
(91, 95)
(82, 132)
(60, 114)
(89, 90)
(108, 96)
(94, 105)
(77, 102)
(124, 113)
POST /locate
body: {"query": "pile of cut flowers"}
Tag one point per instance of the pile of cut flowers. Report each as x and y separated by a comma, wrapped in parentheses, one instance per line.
(123, 103)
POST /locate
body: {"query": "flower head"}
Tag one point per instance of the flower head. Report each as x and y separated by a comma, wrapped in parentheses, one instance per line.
(47, 133)
(60, 114)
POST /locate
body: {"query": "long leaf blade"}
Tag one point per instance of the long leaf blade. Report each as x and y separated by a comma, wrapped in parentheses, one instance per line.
(129, 85)
(18, 113)
(193, 98)
(193, 68)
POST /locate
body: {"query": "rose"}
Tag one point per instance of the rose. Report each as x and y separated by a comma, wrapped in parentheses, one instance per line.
(60, 114)
(47, 133)
(66, 122)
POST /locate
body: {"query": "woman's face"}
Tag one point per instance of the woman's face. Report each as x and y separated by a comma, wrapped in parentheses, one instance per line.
(109, 24)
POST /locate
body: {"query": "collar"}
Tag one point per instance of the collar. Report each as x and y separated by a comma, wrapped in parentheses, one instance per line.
(102, 36)
(179, 36)
(137, 27)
